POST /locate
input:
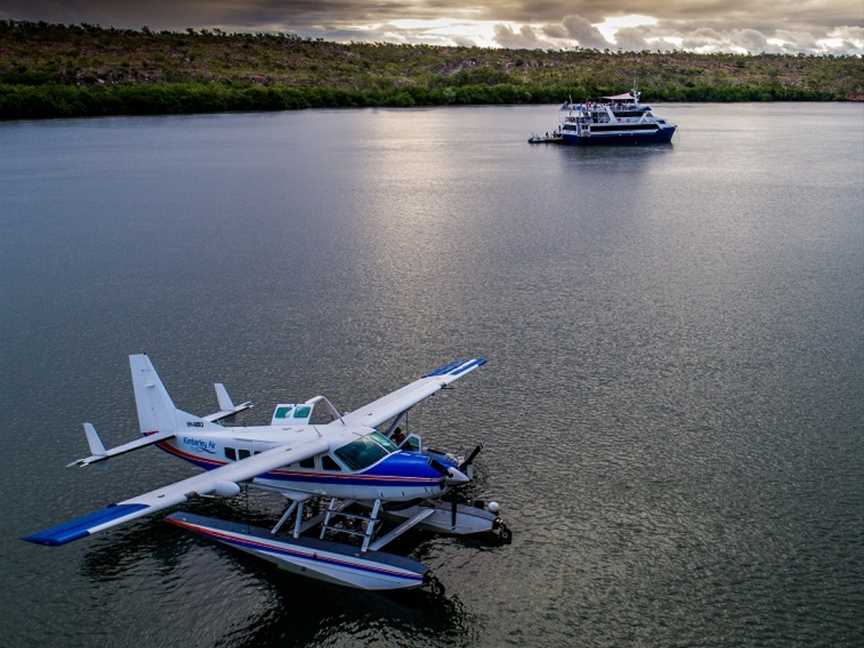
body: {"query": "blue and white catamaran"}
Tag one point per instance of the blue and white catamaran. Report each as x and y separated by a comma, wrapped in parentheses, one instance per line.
(616, 119)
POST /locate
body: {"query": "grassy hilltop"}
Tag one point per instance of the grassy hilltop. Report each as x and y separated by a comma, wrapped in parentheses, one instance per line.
(55, 70)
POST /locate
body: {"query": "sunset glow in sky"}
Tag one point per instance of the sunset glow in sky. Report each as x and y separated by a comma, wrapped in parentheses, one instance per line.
(787, 26)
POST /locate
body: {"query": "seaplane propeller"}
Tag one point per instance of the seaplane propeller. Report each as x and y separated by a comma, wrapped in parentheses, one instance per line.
(456, 478)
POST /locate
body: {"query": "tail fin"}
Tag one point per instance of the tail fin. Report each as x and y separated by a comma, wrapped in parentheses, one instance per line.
(225, 402)
(156, 410)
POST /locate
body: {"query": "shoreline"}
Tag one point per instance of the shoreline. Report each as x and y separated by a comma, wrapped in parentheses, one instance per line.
(53, 101)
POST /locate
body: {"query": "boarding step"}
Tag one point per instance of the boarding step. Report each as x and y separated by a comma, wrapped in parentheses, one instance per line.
(371, 520)
(337, 529)
(353, 516)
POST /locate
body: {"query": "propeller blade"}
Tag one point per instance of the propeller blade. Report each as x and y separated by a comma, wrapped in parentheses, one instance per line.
(471, 457)
(453, 503)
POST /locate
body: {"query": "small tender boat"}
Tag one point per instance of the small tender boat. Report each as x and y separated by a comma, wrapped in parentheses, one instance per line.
(549, 138)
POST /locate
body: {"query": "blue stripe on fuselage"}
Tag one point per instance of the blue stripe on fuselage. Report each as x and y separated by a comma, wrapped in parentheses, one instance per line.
(397, 471)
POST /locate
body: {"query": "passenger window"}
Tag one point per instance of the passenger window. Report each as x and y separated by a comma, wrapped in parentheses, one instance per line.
(244, 454)
(231, 454)
(308, 463)
(327, 463)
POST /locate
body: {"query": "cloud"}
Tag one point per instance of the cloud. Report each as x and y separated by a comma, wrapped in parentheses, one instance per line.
(525, 38)
(854, 34)
(555, 31)
(750, 39)
(796, 41)
(632, 39)
(852, 39)
(707, 25)
(586, 34)
(702, 37)
(461, 41)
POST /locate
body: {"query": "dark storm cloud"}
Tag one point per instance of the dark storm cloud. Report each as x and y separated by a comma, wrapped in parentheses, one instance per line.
(553, 23)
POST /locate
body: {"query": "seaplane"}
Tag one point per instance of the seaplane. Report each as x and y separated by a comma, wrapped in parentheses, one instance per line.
(351, 485)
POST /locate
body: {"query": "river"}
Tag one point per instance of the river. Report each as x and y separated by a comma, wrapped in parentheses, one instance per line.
(672, 410)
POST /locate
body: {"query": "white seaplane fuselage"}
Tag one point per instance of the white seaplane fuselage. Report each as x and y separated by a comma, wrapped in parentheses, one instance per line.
(396, 475)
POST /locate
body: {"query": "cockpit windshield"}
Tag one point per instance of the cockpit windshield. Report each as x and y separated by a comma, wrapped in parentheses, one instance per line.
(385, 442)
(361, 453)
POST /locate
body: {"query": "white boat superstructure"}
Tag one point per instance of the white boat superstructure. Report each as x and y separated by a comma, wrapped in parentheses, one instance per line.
(615, 119)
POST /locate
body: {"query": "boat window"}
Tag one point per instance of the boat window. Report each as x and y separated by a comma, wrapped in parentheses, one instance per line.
(327, 463)
(384, 442)
(302, 412)
(309, 462)
(231, 453)
(361, 453)
(244, 454)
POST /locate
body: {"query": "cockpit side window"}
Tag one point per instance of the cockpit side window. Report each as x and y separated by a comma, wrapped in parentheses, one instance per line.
(309, 462)
(327, 463)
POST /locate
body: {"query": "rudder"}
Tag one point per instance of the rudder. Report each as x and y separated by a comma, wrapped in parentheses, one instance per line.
(156, 410)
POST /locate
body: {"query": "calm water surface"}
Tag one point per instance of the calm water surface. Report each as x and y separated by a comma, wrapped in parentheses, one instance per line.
(672, 411)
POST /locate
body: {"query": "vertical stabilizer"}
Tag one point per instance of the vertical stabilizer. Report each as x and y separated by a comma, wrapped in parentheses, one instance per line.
(156, 411)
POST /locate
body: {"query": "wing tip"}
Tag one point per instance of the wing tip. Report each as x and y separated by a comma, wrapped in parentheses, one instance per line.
(82, 526)
(457, 367)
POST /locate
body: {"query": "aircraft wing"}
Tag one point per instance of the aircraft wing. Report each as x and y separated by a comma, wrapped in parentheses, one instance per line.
(402, 399)
(223, 479)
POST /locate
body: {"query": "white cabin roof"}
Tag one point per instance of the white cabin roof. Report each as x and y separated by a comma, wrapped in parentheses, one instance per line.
(621, 97)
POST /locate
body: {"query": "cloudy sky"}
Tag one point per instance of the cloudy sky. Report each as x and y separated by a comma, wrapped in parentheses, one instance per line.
(821, 26)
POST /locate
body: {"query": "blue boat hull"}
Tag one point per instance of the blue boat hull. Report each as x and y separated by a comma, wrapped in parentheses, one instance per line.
(661, 136)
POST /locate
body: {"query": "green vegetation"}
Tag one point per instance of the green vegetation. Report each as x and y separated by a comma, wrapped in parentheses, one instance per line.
(55, 70)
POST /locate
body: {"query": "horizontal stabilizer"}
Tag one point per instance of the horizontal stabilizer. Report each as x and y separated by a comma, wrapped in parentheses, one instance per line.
(87, 524)
(100, 453)
(226, 405)
(93, 440)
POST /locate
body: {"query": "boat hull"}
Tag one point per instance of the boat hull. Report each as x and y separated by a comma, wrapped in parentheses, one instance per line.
(661, 136)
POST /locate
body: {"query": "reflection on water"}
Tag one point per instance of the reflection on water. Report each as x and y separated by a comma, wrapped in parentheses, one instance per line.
(301, 617)
(671, 412)
(297, 608)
